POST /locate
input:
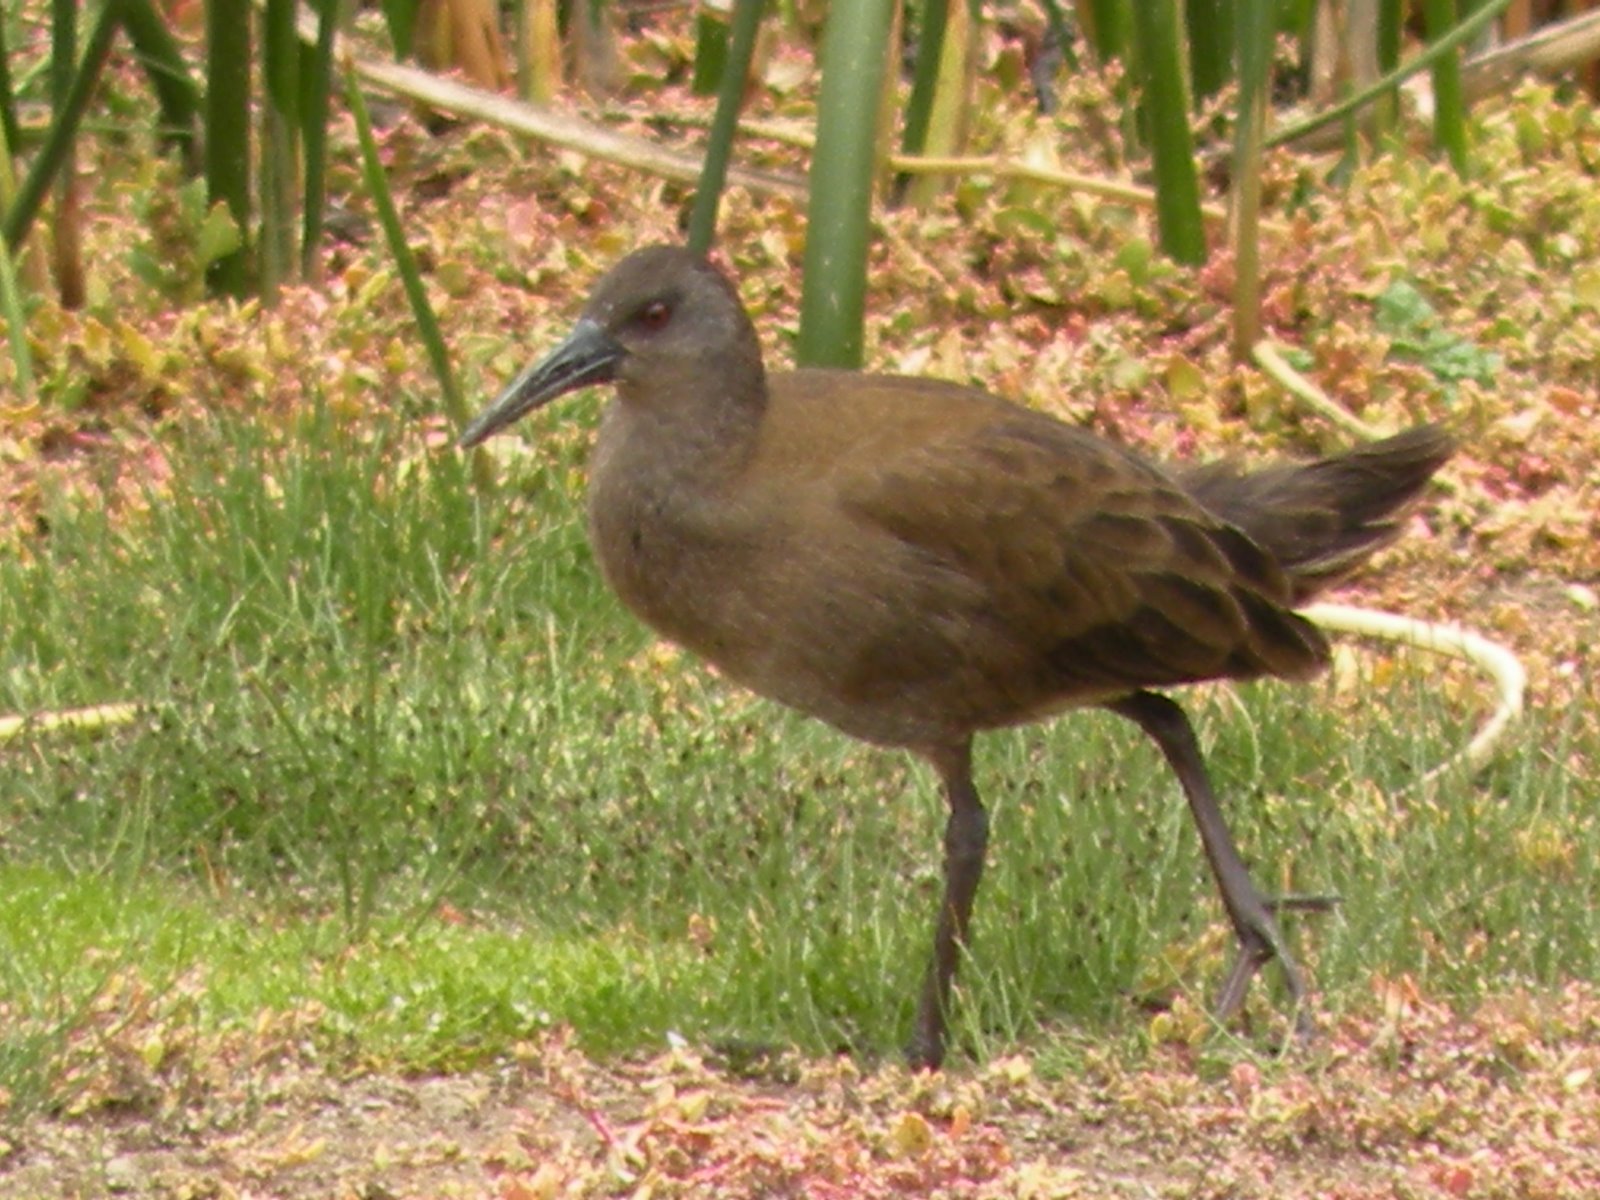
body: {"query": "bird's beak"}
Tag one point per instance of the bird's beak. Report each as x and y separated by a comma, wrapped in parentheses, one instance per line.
(589, 355)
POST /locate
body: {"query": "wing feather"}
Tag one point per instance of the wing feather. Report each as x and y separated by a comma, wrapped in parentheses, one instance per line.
(1097, 565)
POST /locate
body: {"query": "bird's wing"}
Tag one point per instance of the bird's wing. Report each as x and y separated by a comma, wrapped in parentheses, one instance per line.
(1095, 561)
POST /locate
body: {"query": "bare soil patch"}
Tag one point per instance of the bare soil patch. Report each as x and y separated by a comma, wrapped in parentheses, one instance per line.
(1410, 1100)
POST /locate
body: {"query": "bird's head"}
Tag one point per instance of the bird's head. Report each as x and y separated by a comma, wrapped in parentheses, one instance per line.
(663, 315)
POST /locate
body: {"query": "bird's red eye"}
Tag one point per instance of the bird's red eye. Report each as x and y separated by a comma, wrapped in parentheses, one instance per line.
(655, 315)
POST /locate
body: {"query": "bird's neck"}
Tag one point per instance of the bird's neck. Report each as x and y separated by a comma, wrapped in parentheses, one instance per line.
(693, 434)
(668, 511)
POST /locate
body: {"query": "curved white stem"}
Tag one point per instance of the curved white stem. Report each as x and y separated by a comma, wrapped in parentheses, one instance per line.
(1494, 660)
(96, 717)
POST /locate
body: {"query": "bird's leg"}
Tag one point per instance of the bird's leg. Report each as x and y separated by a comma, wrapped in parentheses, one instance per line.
(966, 836)
(1251, 913)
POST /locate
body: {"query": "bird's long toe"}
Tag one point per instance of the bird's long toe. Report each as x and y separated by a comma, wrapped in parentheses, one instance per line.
(1259, 943)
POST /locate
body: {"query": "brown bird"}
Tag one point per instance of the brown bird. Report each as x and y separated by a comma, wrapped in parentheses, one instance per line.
(914, 562)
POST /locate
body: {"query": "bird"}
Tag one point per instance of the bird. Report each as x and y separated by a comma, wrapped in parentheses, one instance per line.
(915, 562)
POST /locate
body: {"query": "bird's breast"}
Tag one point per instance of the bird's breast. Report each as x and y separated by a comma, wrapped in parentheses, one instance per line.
(670, 563)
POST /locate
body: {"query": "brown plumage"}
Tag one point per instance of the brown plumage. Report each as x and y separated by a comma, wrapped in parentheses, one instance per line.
(914, 562)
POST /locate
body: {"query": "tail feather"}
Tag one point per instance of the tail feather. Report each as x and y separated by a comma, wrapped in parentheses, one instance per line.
(1320, 520)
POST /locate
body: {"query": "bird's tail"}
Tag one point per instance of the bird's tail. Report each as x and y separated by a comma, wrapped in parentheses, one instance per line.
(1320, 520)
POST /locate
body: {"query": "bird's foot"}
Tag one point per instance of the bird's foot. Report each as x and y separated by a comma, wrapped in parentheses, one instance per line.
(1259, 942)
(925, 1051)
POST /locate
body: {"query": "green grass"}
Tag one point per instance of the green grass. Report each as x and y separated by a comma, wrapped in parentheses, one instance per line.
(405, 758)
